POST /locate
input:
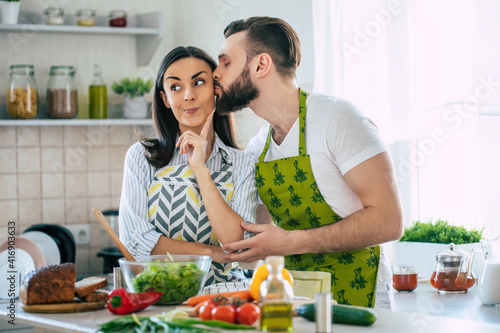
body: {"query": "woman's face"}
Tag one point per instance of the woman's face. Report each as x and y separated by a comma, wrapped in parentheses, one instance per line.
(189, 92)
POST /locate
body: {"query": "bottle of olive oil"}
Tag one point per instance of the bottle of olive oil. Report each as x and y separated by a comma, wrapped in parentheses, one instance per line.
(275, 299)
(98, 97)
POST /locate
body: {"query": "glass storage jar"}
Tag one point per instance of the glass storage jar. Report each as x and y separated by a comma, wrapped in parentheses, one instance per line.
(54, 16)
(85, 17)
(118, 18)
(22, 93)
(62, 101)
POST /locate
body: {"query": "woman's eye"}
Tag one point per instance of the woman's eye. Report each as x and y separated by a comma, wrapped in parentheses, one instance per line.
(175, 87)
(199, 82)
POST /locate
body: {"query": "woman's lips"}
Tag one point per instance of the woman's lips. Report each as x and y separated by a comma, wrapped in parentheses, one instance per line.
(191, 110)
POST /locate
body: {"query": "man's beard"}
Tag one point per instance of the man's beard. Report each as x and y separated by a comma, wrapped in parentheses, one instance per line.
(239, 94)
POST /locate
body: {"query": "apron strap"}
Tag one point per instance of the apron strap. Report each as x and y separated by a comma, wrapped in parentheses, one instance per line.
(302, 128)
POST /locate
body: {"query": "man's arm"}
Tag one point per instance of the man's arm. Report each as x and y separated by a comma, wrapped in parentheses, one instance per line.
(379, 221)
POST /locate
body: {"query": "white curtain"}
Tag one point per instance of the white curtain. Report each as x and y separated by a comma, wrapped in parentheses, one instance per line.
(428, 73)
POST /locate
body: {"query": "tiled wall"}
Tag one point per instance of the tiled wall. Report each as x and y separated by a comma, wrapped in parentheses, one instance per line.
(56, 174)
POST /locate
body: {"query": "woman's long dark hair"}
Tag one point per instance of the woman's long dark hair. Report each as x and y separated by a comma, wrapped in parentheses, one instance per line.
(159, 151)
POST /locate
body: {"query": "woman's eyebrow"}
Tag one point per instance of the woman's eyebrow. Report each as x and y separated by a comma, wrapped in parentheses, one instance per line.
(195, 75)
(178, 79)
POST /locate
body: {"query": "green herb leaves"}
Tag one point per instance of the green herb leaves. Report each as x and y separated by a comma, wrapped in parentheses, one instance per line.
(440, 232)
(133, 88)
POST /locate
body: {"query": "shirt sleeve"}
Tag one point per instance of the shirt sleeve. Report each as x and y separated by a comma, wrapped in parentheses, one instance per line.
(136, 232)
(244, 201)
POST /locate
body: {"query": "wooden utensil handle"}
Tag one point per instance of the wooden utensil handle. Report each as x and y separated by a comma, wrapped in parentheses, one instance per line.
(112, 234)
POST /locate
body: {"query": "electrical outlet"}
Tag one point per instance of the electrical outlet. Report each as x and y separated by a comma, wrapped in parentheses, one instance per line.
(81, 233)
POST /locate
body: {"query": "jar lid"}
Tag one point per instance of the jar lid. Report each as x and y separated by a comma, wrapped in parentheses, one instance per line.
(22, 69)
(62, 70)
(53, 11)
(118, 13)
(452, 254)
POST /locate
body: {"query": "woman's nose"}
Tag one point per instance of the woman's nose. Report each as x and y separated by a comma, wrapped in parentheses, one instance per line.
(189, 96)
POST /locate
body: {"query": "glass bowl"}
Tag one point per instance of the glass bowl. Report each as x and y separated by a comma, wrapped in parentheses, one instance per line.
(178, 276)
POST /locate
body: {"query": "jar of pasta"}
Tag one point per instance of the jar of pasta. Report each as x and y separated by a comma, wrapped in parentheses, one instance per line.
(22, 94)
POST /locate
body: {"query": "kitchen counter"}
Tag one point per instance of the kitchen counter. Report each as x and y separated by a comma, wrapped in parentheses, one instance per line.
(387, 321)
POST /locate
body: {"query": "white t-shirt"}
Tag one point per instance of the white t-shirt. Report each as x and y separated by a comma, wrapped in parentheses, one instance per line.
(338, 138)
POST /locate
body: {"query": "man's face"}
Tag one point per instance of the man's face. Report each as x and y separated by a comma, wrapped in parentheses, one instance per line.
(234, 85)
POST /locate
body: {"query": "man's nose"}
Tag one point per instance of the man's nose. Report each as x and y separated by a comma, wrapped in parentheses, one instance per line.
(216, 74)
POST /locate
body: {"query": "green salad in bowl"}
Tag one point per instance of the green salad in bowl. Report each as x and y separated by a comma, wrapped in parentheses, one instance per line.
(178, 277)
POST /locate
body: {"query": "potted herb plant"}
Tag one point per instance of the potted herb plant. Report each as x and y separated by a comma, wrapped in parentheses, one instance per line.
(134, 101)
(422, 241)
(9, 11)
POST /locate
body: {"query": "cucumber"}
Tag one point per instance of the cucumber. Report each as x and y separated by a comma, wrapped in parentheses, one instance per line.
(341, 314)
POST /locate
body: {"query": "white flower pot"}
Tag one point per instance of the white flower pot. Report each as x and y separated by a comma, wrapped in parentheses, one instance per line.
(136, 107)
(9, 11)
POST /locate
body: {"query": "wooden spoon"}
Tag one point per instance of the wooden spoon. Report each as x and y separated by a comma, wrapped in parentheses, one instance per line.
(112, 234)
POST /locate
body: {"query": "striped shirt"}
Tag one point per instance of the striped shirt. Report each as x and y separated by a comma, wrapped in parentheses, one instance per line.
(137, 233)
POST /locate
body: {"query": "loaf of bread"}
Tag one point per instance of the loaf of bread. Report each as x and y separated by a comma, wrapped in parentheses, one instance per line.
(49, 284)
(96, 296)
(88, 285)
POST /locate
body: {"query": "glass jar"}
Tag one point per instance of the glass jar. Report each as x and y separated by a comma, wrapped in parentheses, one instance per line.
(85, 17)
(62, 101)
(22, 93)
(451, 273)
(54, 16)
(118, 18)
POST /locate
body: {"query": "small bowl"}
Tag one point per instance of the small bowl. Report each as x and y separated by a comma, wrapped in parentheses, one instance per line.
(178, 276)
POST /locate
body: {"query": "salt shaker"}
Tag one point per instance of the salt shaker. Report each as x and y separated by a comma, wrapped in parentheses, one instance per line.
(323, 305)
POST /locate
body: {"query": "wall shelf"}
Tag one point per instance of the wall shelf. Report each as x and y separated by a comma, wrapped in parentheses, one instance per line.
(76, 122)
(147, 29)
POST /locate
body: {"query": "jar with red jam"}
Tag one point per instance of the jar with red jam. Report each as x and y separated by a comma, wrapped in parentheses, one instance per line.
(452, 273)
(118, 18)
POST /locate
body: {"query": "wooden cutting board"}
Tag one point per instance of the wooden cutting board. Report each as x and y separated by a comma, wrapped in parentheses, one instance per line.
(64, 307)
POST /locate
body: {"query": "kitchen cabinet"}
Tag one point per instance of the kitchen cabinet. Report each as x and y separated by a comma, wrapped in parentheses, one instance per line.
(147, 29)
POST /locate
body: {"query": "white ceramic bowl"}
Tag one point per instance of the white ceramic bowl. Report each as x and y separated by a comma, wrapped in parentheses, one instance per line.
(47, 245)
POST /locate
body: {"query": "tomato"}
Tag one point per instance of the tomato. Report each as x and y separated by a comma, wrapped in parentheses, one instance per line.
(224, 313)
(260, 274)
(206, 309)
(247, 314)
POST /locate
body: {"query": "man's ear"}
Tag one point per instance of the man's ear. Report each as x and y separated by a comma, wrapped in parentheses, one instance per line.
(165, 99)
(263, 65)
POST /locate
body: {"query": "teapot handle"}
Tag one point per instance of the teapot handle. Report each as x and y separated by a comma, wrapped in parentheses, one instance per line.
(469, 266)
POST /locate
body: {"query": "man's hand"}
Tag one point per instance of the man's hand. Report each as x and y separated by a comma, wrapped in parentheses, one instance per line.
(269, 240)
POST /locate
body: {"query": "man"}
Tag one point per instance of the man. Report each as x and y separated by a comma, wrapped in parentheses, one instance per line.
(323, 173)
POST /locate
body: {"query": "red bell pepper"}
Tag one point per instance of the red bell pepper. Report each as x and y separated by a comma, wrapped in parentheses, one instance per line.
(122, 302)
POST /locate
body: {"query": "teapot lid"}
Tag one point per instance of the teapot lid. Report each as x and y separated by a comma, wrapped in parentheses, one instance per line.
(452, 254)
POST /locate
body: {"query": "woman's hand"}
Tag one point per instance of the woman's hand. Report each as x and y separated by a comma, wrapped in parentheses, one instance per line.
(195, 146)
(218, 255)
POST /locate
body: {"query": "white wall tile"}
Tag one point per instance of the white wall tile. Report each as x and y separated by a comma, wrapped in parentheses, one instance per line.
(8, 186)
(52, 159)
(75, 184)
(115, 201)
(52, 185)
(7, 136)
(8, 161)
(82, 260)
(117, 157)
(98, 158)
(53, 211)
(75, 158)
(28, 136)
(76, 210)
(96, 263)
(28, 159)
(75, 136)
(30, 212)
(116, 183)
(8, 209)
(98, 135)
(121, 135)
(101, 203)
(98, 184)
(51, 136)
(29, 186)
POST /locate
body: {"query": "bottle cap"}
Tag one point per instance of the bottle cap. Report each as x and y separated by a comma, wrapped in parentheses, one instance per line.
(323, 305)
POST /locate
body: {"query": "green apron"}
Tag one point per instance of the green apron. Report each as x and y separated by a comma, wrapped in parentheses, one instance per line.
(288, 189)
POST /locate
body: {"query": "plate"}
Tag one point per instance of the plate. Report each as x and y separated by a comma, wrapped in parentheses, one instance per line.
(29, 246)
(12, 277)
(47, 244)
(63, 238)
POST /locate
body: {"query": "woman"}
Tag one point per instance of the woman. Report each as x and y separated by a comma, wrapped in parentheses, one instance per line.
(187, 191)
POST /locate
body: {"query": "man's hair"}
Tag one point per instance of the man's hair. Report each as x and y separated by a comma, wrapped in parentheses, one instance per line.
(269, 35)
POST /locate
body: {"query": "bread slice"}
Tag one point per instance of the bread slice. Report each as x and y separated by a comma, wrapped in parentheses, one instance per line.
(88, 285)
(49, 284)
(97, 296)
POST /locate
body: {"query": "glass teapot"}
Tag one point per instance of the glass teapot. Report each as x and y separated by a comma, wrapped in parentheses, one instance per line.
(452, 272)
(489, 283)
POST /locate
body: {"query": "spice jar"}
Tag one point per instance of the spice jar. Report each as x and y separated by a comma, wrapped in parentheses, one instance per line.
(62, 98)
(54, 16)
(118, 18)
(22, 94)
(85, 17)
